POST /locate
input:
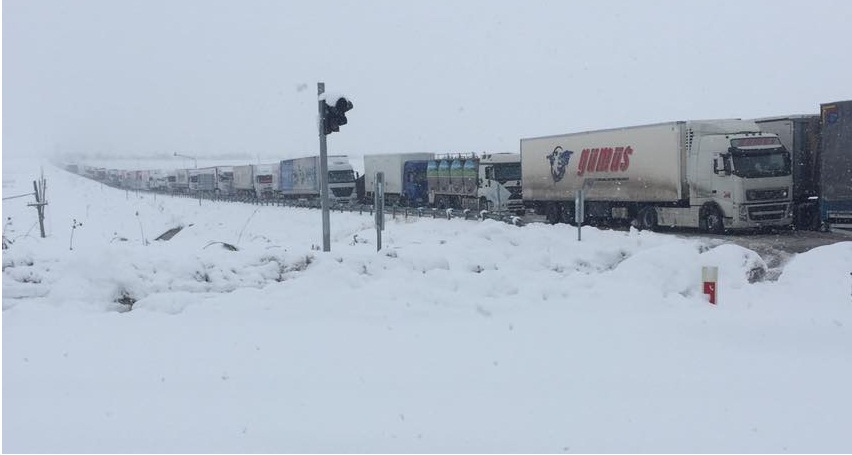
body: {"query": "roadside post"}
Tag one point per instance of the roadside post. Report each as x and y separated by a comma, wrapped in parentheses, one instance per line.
(579, 210)
(379, 204)
(326, 229)
(710, 280)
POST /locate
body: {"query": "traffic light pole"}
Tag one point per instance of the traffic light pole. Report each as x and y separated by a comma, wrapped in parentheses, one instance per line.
(326, 231)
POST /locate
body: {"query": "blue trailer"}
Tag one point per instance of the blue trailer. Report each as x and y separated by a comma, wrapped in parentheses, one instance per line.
(835, 201)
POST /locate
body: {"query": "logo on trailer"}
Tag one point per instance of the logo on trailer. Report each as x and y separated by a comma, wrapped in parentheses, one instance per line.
(830, 114)
(558, 160)
(604, 159)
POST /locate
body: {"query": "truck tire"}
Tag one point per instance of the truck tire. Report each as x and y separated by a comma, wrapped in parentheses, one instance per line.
(554, 214)
(712, 220)
(560, 213)
(647, 219)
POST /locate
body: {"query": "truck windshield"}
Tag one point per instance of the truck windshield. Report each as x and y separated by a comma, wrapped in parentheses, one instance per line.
(507, 171)
(341, 176)
(760, 163)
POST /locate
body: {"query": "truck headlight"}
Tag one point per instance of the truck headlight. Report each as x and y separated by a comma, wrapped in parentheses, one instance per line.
(743, 212)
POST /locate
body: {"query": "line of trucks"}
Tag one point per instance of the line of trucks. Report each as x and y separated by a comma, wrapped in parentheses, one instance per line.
(465, 181)
(291, 179)
(708, 174)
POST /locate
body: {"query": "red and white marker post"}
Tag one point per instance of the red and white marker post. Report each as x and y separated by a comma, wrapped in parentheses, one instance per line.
(710, 278)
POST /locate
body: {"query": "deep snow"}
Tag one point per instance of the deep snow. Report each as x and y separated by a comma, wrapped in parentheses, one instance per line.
(459, 336)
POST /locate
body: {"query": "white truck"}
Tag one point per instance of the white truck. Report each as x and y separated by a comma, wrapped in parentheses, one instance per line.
(404, 177)
(491, 181)
(266, 180)
(224, 180)
(300, 179)
(178, 180)
(708, 174)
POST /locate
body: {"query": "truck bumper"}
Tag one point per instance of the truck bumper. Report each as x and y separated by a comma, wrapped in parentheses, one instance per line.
(836, 213)
(750, 216)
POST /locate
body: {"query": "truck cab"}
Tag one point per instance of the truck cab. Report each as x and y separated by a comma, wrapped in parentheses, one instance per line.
(741, 181)
(341, 180)
(266, 177)
(500, 182)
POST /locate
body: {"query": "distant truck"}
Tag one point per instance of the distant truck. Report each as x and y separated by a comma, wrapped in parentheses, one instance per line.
(404, 177)
(711, 174)
(266, 180)
(491, 182)
(224, 180)
(203, 181)
(300, 179)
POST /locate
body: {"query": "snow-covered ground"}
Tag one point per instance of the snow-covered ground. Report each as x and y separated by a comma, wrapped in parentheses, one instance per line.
(458, 336)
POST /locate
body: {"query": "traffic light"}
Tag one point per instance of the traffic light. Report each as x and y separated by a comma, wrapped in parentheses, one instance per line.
(334, 116)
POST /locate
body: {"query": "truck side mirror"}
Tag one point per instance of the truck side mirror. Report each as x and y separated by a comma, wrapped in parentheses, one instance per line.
(724, 167)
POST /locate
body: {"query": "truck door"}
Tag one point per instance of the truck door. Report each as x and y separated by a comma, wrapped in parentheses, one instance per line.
(719, 167)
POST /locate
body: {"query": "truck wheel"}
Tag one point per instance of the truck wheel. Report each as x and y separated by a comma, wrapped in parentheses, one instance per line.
(568, 214)
(554, 214)
(712, 220)
(647, 219)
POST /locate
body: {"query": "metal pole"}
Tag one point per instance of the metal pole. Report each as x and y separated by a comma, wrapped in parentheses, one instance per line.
(326, 231)
(379, 204)
(579, 211)
(39, 196)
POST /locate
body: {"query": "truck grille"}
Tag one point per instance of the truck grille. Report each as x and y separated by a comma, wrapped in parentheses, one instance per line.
(767, 212)
(342, 192)
(766, 195)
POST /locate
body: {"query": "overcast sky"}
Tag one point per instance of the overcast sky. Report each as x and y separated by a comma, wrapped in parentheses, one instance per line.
(139, 77)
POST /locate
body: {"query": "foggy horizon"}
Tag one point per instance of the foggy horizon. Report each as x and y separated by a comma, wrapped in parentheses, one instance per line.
(223, 78)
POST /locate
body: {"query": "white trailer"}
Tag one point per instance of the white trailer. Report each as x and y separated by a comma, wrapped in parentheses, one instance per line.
(244, 181)
(712, 174)
(300, 179)
(393, 167)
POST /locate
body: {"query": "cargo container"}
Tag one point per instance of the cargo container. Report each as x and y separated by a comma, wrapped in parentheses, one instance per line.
(300, 179)
(835, 170)
(244, 181)
(404, 174)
